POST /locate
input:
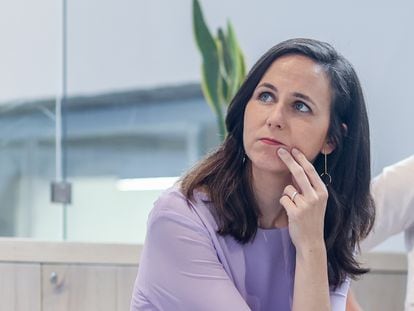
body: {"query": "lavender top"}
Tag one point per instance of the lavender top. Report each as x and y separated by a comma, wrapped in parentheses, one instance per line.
(186, 265)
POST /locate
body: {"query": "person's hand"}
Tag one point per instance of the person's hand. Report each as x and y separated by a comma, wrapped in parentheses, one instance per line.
(304, 201)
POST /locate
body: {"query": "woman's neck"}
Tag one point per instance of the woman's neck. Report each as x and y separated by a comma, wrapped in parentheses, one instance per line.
(268, 189)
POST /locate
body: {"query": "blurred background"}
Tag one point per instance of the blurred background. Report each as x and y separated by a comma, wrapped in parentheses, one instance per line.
(105, 96)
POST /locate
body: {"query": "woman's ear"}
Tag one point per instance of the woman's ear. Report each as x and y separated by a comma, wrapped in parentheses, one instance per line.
(328, 147)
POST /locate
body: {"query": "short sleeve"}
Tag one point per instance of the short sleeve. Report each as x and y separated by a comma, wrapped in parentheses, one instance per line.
(338, 296)
(180, 269)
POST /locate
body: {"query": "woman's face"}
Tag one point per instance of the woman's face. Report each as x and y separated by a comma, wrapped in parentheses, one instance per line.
(290, 107)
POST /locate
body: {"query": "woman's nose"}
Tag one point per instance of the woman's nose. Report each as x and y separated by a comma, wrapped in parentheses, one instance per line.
(276, 117)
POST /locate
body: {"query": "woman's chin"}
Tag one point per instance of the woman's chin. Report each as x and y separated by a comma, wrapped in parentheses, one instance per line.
(276, 166)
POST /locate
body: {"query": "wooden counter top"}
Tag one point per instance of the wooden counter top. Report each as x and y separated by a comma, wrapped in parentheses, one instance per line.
(29, 250)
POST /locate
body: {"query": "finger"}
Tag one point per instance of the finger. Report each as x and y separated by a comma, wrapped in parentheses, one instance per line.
(309, 169)
(293, 194)
(288, 205)
(297, 171)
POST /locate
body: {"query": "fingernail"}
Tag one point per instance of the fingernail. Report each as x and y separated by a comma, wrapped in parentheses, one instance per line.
(281, 151)
(295, 151)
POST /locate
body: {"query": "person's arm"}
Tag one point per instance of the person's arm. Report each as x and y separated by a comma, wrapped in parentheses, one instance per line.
(180, 270)
(311, 280)
(337, 298)
(393, 194)
(305, 204)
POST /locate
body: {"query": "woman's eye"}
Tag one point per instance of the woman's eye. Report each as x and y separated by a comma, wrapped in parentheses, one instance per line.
(301, 106)
(266, 97)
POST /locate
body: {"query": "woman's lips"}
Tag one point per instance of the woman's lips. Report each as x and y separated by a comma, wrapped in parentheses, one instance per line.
(270, 141)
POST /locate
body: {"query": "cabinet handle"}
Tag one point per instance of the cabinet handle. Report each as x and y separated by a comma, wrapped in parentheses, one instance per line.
(53, 278)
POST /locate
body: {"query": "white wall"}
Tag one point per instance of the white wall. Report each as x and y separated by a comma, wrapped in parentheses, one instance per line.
(125, 44)
(30, 48)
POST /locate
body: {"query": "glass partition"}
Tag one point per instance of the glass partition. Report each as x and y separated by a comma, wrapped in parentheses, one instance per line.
(27, 160)
(83, 108)
(29, 79)
(122, 150)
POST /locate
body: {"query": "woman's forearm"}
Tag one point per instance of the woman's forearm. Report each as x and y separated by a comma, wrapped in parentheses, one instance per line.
(311, 289)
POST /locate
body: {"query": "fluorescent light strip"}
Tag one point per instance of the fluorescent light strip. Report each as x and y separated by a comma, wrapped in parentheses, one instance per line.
(145, 184)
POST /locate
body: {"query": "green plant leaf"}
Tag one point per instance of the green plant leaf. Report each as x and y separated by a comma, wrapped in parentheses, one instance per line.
(222, 83)
(242, 67)
(209, 51)
(223, 68)
(235, 59)
(226, 58)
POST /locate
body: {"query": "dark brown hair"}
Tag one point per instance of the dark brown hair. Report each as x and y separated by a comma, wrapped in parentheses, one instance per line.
(350, 209)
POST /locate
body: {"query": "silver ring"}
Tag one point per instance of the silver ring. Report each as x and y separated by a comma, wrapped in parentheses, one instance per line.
(293, 196)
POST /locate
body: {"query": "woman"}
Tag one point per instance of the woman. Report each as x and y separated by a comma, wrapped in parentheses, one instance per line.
(253, 226)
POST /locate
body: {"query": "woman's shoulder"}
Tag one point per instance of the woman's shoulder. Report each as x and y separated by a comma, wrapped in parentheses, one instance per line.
(174, 205)
(173, 200)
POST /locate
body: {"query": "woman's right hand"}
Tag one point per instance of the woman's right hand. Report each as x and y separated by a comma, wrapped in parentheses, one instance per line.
(305, 202)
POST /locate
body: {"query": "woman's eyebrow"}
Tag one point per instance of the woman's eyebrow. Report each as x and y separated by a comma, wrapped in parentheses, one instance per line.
(269, 86)
(304, 97)
(295, 94)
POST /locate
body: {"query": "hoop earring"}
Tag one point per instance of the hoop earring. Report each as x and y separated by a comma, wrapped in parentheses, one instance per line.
(326, 178)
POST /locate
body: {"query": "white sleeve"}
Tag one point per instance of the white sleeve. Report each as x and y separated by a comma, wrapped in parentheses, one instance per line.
(338, 297)
(393, 193)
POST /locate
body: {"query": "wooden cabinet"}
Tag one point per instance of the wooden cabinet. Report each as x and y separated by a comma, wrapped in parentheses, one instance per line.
(87, 287)
(20, 288)
(64, 276)
(47, 276)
